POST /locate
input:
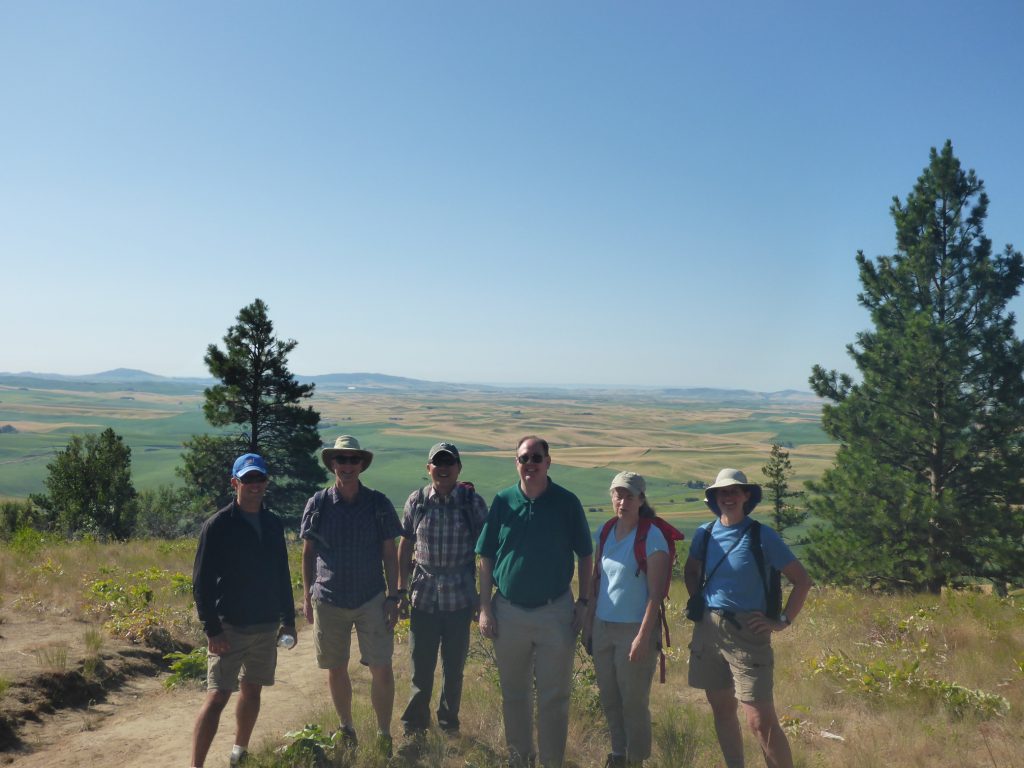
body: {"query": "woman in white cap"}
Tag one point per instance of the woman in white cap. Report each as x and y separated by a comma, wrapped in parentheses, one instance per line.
(622, 623)
(729, 577)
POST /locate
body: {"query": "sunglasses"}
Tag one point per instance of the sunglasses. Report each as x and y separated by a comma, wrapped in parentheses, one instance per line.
(251, 478)
(348, 459)
(531, 458)
(443, 460)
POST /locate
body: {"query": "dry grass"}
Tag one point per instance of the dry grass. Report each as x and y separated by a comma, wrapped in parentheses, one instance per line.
(970, 639)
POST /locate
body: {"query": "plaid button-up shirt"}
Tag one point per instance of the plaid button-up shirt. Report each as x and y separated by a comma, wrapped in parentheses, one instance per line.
(445, 575)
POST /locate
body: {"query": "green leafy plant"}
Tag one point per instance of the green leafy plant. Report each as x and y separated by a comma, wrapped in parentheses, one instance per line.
(181, 583)
(186, 667)
(883, 679)
(311, 746)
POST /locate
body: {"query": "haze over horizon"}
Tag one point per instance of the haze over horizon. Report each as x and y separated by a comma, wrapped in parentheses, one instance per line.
(599, 193)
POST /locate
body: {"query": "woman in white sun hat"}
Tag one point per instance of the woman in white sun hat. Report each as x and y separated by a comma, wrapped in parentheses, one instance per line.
(729, 575)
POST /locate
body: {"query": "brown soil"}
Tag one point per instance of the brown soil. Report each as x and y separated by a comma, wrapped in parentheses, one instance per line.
(120, 715)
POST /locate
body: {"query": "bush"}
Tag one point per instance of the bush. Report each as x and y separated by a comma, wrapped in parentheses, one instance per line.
(15, 515)
(168, 513)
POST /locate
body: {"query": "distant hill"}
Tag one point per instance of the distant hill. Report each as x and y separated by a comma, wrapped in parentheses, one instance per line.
(380, 381)
(132, 379)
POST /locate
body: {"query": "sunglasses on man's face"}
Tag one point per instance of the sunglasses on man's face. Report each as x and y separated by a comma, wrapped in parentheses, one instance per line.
(443, 460)
(348, 459)
(531, 458)
(252, 477)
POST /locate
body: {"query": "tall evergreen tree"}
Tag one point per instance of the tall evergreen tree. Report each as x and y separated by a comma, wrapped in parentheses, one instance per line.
(926, 487)
(777, 473)
(89, 487)
(261, 399)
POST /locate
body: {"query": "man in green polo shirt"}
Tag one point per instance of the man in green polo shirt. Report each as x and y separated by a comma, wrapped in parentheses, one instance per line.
(534, 532)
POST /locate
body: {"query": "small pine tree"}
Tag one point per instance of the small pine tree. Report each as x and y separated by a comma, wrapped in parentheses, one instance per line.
(259, 397)
(777, 473)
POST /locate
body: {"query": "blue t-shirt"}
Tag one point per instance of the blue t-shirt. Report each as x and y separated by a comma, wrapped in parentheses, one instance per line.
(736, 584)
(622, 596)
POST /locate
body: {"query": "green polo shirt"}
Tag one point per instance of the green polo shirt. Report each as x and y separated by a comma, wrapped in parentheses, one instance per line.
(532, 543)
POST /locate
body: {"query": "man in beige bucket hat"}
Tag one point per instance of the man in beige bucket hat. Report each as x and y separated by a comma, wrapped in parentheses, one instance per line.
(729, 575)
(348, 532)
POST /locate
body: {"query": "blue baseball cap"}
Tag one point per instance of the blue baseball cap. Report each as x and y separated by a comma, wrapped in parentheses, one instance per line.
(248, 462)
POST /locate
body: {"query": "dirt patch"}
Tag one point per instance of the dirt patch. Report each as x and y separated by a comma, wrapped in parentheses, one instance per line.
(134, 722)
(74, 683)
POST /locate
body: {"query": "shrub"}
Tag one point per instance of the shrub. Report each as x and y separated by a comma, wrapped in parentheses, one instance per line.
(186, 667)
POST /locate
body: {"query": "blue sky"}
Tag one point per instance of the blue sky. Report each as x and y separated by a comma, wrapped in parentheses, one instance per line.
(644, 193)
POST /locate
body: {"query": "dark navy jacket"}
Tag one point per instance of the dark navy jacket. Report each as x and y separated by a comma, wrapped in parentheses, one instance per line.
(239, 577)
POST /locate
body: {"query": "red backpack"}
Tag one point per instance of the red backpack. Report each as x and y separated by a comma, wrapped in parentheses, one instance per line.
(672, 535)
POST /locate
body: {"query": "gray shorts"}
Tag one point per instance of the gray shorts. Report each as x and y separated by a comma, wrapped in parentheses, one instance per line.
(253, 658)
(332, 634)
(724, 656)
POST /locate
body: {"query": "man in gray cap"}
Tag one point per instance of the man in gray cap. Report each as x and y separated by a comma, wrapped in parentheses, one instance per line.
(348, 531)
(440, 529)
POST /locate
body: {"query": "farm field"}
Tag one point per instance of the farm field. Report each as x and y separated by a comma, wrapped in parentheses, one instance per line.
(672, 438)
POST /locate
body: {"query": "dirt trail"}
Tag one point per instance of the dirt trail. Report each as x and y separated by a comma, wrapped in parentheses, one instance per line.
(143, 725)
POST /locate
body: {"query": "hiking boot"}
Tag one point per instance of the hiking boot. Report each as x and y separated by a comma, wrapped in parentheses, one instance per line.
(615, 761)
(384, 744)
(346, 737)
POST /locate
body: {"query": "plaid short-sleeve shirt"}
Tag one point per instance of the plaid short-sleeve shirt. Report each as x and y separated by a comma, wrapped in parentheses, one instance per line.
(445, 574)
(350, 570)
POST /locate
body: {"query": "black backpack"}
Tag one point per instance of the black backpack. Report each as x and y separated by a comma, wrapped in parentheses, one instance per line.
(770, 578)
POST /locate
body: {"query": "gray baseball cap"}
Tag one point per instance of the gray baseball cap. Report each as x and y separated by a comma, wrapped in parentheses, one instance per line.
(631, 481)
(443, 447)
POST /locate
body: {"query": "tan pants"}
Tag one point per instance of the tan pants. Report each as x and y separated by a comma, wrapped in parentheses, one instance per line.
(625, 687)
(535, 647)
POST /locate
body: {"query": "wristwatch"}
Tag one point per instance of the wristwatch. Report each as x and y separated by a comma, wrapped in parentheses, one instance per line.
(784, 619)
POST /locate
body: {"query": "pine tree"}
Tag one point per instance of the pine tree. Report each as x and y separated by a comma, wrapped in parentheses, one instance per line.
(260, 398)
(926, 487)
(777, 473)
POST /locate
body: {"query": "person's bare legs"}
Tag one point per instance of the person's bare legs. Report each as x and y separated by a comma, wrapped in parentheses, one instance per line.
(340, 686)
(727, 725)
(246, 712)
(764, 722)
(382, 695)
(206, 725)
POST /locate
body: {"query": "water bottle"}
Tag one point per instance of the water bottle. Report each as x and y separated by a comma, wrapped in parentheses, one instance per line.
(286, 641)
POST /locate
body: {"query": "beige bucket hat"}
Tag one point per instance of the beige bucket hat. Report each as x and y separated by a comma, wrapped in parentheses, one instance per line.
(342, 444)
(732, 477)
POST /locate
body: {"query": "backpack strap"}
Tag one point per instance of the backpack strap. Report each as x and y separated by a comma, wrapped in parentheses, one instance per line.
(313, 531)
(419, 508)
(468, 493)
(606, 529)
(756, 546)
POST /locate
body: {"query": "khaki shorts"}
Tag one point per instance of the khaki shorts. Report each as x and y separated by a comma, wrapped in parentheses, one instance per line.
(332, 634)
(723, 656)
(253, 657)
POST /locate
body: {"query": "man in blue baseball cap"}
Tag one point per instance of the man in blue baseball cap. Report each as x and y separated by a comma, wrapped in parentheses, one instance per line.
(243, 592)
